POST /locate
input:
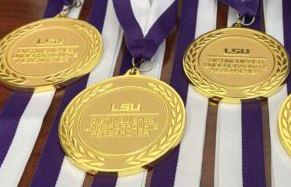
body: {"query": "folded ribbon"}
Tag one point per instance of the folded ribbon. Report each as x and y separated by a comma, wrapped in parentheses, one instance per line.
(247, 8)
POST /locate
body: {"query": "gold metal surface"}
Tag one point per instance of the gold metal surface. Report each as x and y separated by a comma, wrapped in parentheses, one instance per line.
(284, 125)
(122, 124)
(48, 54)
(234, 64)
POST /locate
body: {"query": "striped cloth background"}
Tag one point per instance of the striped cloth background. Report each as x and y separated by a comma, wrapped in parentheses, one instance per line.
(210, 153)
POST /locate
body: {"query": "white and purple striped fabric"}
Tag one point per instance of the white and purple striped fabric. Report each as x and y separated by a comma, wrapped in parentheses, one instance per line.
(21, 120)
(22, 115)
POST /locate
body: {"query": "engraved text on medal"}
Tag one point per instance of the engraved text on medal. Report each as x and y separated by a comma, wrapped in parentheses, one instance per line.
(125, 120)
(46, 51)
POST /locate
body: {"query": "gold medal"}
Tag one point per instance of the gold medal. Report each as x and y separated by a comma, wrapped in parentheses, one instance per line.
(122, 124)
(49, 53)
(233, 64)
(284, 127)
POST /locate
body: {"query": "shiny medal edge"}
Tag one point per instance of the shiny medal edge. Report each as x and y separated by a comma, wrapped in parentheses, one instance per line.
(132, 169)
(227, 99)
(93, 61)
(283, 125)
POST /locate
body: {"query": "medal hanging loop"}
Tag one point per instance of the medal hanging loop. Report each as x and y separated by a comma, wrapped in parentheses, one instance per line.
(241, 21)
(69, 5)
(142, 65)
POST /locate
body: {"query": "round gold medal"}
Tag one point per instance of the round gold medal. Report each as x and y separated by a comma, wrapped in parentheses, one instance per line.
(235, 64)
(49, 53)
(122, 124)
(284, 127)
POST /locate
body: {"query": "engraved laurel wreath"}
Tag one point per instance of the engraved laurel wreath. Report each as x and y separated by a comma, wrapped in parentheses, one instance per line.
(8, 75)
(89, 159)
(285, 125)
(94, 50)
(203, 83)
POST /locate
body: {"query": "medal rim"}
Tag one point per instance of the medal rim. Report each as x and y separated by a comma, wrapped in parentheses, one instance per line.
(94, 59)
(228, 99)
(138, 167)
(286, 147)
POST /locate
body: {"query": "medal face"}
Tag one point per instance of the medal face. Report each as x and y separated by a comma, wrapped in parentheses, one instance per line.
(284, 127)
(46, 54)
(122, 124)
(234, 64)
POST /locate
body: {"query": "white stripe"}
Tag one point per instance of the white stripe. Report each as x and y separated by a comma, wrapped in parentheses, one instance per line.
(273, 13)
(228, 165)
(112, 38)
(27, 133)
(157, 9)
(206, 16)
(141, 10)
(70, 175)
(147, 13)
(232, 17)
(281, 163)
(24, 139)
(137, 180)
(191, 149)
(188, 171)
(111, 34)
(229, 171)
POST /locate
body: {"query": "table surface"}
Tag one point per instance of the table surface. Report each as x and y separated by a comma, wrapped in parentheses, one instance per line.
(14, 13)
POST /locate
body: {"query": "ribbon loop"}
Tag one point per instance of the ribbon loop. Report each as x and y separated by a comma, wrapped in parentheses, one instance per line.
(245, 8)
(144, 45)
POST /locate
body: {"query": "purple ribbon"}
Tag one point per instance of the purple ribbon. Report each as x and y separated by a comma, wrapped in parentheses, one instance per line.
(52, 156)
(164, 172)
(68, 2)
(140, 46)
(253, 164)
(287, 33)
(16, 104)
(253, 145)
(244, 7)
(169, 174)
(9, 119)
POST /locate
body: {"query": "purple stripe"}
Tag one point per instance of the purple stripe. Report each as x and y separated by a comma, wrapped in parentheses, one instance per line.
(287, 33)
(186, 36)
(16, 104)
(244, 7)
(159, 31)
(105, 180)
(68, 2)
(164, 172)
(126, 61)
(138, 45)
(53, 8)
(252, 145)
(252, 137)
(128, 21)
(9, 119)
(52, 156)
